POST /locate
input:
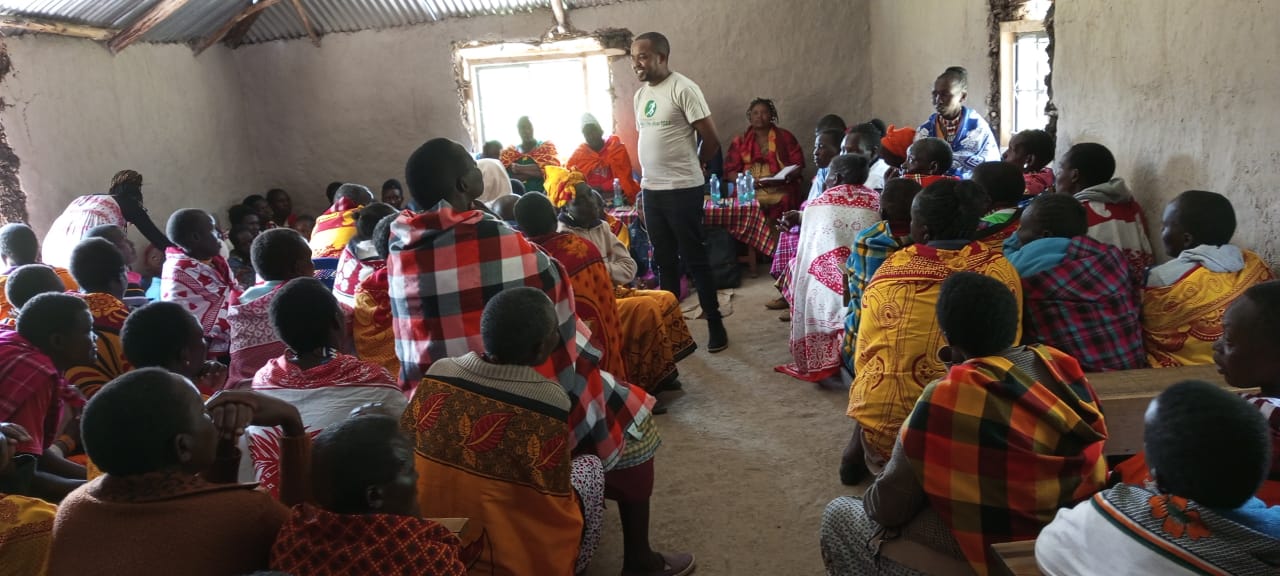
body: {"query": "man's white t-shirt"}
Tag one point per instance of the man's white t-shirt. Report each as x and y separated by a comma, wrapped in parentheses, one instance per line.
(668, 143)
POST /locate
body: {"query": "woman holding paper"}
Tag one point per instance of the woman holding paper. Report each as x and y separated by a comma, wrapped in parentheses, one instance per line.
(773, 156)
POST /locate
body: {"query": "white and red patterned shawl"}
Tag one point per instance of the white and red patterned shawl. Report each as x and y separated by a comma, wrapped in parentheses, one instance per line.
(831, 222)
(205, 289)
(359, 260)
(323, 395)
(81, 215)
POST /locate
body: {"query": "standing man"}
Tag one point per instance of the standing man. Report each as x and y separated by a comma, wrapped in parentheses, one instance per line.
(670, 114)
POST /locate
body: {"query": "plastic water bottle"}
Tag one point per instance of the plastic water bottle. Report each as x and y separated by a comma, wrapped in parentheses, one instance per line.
(741, 185)
(751, 190)
(715, 190)
(617, 193)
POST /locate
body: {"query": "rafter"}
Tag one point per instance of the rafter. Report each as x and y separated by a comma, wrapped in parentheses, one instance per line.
(59, 28)
(234, 29)
(157, 14)
(306, 22)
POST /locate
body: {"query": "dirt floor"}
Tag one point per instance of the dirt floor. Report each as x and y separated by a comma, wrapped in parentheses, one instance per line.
(749, 456)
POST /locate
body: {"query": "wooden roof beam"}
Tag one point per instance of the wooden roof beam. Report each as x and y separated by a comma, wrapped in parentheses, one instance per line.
(157, 14)
(42, 26)
(306, 22)
(235, 28)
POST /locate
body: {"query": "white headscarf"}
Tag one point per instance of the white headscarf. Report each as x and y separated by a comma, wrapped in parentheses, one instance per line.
(588, 119)
(496, 181)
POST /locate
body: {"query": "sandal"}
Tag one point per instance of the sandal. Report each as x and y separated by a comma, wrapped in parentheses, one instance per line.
(778, 303)
(673, 565)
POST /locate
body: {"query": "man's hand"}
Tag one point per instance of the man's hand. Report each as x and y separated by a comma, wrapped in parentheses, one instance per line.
(788, 219)
(233, 410)
(212, 376)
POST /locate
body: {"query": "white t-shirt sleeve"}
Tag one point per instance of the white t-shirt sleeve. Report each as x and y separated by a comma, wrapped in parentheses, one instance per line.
(692, 102)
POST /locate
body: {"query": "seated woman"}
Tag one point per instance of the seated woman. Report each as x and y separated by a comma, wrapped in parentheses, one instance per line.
(816, 292)
(1248, 356)
(372, 332)
(1208, 451)
(654, 332)
(1004, 186)
(1032, 151)
(1079, 293)
(359, 259)
(196, 277)
(366, 509)
(825, 148)
(100, 270)
(526, 160)
(1028, 411)
(312, 375)
(601, 161)
(538, 509)
(496, 182)
(169, 461)
(898, 336)
(1185, 298)
(764, 150)
(336, 226)
(871, 247)
(593, 297)
(964, 130)
(121, 205)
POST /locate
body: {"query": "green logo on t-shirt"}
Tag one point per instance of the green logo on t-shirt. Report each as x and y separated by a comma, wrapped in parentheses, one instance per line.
(650, 108)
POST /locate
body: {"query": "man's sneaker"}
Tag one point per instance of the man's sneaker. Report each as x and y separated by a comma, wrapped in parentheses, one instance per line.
(719, 339)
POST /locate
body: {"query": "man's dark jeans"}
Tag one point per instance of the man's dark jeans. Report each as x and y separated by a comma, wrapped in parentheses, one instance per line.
(674, 220)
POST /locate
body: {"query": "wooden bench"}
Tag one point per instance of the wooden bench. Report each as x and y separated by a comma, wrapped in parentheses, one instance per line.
(1016, 559)
(1124, 396)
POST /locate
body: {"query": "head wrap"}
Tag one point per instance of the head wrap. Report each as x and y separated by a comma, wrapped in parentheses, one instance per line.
(126, 177)
(897, 140)
(588, 119)
(559, 184)
(497, 183)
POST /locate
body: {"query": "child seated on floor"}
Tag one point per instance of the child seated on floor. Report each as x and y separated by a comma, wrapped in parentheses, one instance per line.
(279, 255)
(870, 249)
(99, 268)
(1086, 173)
(164, 504)
(165, 335)
(197, 277)
(365, 519)
(1004, 186)
(1185, 298)
(27, 282)
(1208, 451)
(134, 292)
(1032, 151)
(311, 374)
(19, 247)
(360, 258)
(1027, 411)
(1079, 294)
(928, 160)
(54, 334)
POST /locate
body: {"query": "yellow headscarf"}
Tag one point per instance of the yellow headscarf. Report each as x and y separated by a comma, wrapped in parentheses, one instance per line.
(559, 184)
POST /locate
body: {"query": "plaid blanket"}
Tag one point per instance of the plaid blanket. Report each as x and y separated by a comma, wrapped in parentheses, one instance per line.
(1004, 451)
(1087, 306)
(444, 267)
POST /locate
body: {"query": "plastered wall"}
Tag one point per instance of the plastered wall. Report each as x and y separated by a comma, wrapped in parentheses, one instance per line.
(355, 108)
(912, 42)
(1183, 94)
(77, 115)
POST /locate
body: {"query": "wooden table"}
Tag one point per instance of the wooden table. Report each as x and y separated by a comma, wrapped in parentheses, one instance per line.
(1016, 558)
(1124, 396)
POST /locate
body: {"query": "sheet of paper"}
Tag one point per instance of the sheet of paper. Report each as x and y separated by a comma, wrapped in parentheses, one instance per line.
(781, 175)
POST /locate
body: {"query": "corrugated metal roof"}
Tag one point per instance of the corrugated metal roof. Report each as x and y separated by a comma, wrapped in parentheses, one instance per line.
(199, 18)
